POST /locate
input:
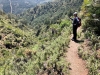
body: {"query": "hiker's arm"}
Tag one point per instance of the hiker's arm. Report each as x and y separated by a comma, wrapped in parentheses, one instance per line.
(70, 18)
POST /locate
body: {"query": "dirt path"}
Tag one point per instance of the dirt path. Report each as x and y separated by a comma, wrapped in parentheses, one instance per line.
(78, 66)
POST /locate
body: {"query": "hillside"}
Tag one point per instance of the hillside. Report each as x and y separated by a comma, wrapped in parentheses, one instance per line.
(51, 12)
(26, 51)
(90, 49)
(36, 41)
(11, 35)
(18, 6)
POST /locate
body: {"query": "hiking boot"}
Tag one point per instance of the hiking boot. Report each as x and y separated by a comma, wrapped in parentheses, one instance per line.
(74, 40)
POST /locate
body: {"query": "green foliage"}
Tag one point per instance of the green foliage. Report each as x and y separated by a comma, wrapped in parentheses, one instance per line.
(40, 49)
(92, 61)
(50, 12)
(41, 61)
(90, 51)
(24, 53)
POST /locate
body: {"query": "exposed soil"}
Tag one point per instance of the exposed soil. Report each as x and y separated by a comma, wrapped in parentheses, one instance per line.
(77, 65)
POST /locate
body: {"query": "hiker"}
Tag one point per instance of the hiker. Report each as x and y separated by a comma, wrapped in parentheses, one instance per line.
(75, 23)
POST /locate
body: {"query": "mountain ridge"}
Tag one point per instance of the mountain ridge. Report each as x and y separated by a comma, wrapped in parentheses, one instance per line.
(50, 12)
(17, 6)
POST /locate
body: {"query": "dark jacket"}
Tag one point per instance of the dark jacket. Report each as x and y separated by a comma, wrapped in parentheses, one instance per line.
(75, 20)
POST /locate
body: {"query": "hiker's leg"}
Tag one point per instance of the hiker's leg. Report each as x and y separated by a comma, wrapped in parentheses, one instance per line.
(74, 32)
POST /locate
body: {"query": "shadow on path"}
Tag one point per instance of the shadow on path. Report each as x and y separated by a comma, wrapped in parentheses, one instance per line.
(79, 41)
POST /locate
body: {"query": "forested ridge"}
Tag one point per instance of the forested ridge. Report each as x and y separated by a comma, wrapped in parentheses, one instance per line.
(51, 12)
(18, 6)
(35, 42)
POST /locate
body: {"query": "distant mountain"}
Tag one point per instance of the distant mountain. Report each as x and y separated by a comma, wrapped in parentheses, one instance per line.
(17, 6)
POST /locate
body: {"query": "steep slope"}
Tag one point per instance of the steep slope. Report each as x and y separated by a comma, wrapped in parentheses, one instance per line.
(18, 6)
(11, 36)
(40, 50)
(51, 12)
(12, 40)
(26, 51)
(90, 49)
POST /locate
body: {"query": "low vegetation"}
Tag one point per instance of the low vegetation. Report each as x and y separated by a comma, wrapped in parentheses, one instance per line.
(90, 49)
(25, 51)
(34, 43)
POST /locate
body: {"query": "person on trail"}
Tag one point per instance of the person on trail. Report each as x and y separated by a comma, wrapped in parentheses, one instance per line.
(75, 26)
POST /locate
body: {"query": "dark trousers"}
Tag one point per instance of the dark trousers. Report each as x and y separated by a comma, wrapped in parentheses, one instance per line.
(75, 32)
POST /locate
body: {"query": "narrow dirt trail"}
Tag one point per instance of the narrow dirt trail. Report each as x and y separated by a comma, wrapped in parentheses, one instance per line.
(78, 66)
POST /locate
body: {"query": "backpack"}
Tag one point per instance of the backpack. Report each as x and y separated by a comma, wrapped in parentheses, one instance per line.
(79, 22)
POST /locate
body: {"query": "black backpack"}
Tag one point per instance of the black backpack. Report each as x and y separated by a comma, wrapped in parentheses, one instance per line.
(79, 22)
